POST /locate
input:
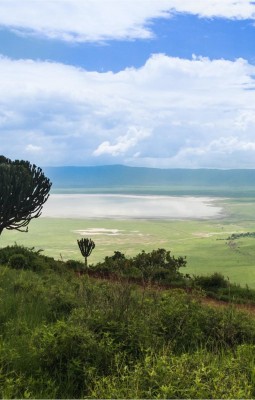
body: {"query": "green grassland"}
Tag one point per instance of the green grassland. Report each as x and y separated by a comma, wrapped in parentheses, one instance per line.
(202, 241)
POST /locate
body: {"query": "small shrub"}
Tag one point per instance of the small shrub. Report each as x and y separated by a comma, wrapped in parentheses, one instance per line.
(212, 282)
(72, 354)
(116, 263)
(74, 265)
(35, 261)
(18, 261)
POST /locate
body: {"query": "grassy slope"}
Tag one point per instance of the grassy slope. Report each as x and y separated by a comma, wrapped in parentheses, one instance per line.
(67, 337)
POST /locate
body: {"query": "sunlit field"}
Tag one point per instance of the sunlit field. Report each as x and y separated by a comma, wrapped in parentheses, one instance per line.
(129, 206)
(203, 241)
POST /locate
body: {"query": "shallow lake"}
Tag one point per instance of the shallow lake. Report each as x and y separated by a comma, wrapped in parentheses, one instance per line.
(130, 207)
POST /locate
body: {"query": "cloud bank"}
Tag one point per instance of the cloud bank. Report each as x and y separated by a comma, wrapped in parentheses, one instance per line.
(99, 20)
(171, 112)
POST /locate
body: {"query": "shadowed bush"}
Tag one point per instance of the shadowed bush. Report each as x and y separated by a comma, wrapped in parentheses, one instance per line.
(212, 282)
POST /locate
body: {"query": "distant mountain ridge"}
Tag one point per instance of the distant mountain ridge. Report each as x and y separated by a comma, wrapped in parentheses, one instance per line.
(114, 178)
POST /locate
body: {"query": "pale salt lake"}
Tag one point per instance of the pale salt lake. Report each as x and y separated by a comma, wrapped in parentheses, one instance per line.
(130, 207)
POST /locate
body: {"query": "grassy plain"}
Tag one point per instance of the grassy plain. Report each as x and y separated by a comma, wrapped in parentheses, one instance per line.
(202, 241)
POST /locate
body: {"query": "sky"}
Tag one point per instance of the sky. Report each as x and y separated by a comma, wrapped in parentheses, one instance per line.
(151, 83)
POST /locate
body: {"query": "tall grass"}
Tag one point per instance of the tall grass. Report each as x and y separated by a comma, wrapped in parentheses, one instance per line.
(63, 336)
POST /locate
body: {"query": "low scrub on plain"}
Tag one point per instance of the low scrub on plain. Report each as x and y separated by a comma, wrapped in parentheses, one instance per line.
(67, 335)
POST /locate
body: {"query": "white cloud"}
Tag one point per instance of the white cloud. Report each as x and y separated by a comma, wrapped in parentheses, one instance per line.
(123, 143)
(31, 148)
(97, 20)
(171, 112)
(245, 119)
(236, 9)
(229, 145)
(226, 152)
(79, 21)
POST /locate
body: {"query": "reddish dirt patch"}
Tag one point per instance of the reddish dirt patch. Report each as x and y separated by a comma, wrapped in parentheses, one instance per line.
(248, 308)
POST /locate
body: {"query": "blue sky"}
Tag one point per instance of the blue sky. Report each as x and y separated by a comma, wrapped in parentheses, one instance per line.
(157, 83)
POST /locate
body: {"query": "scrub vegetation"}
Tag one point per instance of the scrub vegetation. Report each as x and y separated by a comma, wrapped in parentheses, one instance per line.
(70, 336)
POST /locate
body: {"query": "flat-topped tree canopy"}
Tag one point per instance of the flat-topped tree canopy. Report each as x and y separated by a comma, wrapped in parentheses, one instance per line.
(23, 190)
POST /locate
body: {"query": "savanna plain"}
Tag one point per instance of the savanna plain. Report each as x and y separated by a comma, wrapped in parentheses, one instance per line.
(202, 239)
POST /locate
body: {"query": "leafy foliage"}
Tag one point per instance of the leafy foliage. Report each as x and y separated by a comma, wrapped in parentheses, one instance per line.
(157, 266)
(23, 191)
(212, 282)
(18, 261)
(31, 259)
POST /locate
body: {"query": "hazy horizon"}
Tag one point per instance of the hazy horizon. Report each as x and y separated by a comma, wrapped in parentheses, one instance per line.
(141, 167)
(117, 206)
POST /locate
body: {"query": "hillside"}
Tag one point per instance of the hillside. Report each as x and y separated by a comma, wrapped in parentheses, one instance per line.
(66, 336)
(119, 178)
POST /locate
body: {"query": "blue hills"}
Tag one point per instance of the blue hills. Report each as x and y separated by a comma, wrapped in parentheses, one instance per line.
(124, 179)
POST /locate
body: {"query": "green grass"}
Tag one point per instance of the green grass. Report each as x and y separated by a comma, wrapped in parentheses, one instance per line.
(67, 337)
(202, 241)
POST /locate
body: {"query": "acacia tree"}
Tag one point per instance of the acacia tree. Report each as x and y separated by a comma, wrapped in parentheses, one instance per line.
(23, 190)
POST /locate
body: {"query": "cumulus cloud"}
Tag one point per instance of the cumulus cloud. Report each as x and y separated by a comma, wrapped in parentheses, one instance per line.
(97, 20)
(123, 143)
(230, 152)
(171, 112)
(80, 21)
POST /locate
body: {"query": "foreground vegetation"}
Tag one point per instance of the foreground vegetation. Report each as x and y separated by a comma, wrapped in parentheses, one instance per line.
(69, 336)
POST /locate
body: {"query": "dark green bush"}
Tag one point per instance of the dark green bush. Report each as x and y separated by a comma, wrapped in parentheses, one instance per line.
(35, 260)
(7, 252)
(75, 265)
(156, 266)
(212, 282)
(161, 258)
(116, 263)
(18, 261)
(218, 287)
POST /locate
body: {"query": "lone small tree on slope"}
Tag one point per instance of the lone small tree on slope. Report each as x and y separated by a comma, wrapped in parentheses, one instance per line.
(23, 191)
(86, 246)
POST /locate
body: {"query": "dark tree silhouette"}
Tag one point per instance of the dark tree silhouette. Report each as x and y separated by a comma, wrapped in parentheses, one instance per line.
(23, 191)
(86, 246)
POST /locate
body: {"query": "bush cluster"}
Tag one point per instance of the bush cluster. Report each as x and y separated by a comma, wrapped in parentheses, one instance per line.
(20, 257)
(155, 266)
(234, 236)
